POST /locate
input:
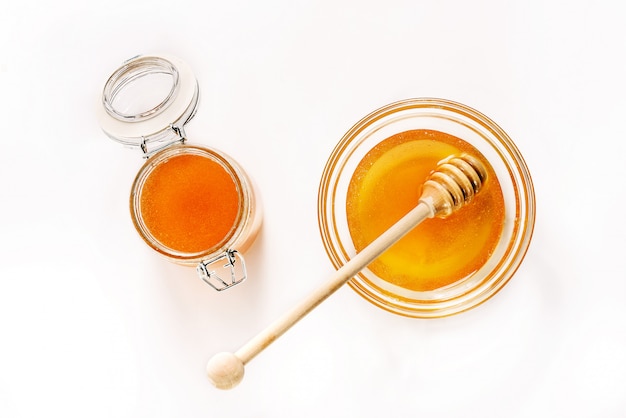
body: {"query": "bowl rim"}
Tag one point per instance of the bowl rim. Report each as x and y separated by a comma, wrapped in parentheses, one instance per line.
(515, 168)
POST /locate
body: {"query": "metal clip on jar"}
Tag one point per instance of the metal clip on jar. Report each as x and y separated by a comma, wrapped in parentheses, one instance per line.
(194, 205)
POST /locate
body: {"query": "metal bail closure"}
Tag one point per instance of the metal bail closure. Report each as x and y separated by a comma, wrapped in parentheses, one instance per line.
(223, 271)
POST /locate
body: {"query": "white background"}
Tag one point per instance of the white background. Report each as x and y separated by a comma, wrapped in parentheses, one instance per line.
(94, 324)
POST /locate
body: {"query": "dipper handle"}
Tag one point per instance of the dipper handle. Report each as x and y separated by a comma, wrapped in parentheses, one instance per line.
(454, 183)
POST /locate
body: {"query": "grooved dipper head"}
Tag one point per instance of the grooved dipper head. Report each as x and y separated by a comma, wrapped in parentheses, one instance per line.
(454, 183)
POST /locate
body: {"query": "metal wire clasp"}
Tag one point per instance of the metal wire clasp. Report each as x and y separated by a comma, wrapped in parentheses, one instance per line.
(170, 136)
(221, 276)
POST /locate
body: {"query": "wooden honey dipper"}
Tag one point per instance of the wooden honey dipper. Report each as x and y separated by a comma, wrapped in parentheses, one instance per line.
(453, 184)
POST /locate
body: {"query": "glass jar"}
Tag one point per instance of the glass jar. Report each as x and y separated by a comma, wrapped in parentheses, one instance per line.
(506, 162)
(194, 205)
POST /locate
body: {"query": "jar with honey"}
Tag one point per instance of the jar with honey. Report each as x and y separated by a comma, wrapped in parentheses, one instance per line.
(192, 204)
(374, 176)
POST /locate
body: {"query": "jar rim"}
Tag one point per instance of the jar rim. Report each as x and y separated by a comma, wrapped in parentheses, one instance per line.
(479, 131)
(236, 234)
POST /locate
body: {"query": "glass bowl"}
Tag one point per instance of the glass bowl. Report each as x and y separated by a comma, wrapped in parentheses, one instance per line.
(512, 174)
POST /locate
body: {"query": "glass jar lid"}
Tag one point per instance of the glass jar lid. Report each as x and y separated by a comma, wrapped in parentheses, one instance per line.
(147, 101)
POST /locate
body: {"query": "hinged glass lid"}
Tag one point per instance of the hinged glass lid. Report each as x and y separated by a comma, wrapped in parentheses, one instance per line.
(147, 101)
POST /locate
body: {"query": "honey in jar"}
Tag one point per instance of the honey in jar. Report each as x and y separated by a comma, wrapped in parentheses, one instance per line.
(189, 216)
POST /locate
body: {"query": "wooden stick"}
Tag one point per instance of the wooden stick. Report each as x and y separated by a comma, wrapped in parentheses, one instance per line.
(336, 280)
(225, 370)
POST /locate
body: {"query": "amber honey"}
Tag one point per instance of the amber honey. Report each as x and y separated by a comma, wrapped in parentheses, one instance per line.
(387, 183)
(192, 203)
(189, 203)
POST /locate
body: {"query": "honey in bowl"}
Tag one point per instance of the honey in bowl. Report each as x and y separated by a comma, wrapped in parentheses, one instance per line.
(387, 183)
